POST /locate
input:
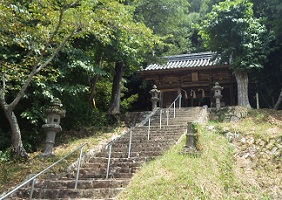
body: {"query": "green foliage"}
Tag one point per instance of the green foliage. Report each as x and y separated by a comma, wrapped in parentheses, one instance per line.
(271, 11)
(236, 35)
(169, 19)
(126, 103)
(5, 156)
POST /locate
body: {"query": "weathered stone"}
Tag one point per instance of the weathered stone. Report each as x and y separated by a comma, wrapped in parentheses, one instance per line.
(241, 162)
(269, 146)
(273, 150)
(250, 140)
(279, 146)
(253, 158)
(262, 143)
(263, 161)
(243, 140)
(234, 119)
(217, 94)
(246, 155)
(52, 127)
(155, 96)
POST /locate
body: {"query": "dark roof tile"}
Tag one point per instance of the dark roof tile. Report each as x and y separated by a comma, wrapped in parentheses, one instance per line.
(186, 61)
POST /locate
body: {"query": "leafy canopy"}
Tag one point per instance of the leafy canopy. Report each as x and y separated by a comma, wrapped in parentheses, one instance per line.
(232, 31)
(169, 19)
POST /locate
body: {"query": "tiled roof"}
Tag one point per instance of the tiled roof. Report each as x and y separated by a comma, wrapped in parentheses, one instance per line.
(193, 60)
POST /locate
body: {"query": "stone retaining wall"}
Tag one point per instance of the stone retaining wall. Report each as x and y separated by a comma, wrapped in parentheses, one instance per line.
(228, 114)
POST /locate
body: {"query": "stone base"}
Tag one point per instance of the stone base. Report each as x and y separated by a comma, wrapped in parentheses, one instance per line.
(46, 155)
(190, 151)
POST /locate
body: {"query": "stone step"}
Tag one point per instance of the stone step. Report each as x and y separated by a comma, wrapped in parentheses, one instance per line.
(112, 174)
(132, 154)
(86, 173)
(98, 166)
(163, 128)
(152, 144)
(144, 140)
(115, 172)
(144, 137)
(81, 184)
(135, 148)
(121, 160)
(99, 193)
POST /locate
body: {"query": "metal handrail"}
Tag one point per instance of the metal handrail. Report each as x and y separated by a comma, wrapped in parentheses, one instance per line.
(46, 169)
(110, 144)
(148, 119)
(173, 104)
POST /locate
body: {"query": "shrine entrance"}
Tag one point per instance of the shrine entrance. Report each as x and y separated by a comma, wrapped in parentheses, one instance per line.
(192, 75)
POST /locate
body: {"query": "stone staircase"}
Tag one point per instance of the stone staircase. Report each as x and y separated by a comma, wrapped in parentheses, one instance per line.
(92, 182)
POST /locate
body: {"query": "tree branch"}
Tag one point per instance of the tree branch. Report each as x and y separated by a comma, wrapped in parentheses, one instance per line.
(2, 92)
(62, 11)
(56, 29)
(37, 69)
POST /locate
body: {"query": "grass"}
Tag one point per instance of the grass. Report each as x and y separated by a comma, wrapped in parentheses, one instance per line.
(14, 172)
(178, 176)
(214, 174)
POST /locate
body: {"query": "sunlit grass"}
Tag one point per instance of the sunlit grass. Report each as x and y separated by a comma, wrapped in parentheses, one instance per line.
(211, 175)
(214, 174)
(14, 172)
(179, 176)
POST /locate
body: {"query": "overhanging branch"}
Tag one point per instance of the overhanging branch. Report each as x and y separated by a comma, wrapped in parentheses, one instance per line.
(37, 69)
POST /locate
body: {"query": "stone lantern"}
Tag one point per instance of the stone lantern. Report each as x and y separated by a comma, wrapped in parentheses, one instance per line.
(217, 94)
(52, 127)
(155, 96)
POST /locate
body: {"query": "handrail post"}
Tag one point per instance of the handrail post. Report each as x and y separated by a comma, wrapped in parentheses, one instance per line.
(173, 109)
(161, 111)
(167, 114)
(149, 127)
(180, 98)
(130, 141)
(32, 189)
(78, 168)
(109, 160)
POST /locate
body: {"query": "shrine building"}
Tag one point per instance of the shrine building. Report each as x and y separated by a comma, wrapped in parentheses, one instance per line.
(192, 75)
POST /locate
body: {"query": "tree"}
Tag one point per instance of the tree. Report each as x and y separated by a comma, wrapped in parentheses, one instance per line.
(168, 19)
(270, 78)
(239, 38)
(126, 49)
(32, 34)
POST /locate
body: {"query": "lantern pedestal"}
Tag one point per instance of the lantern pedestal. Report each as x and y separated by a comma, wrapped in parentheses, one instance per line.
(217, 94)
(155, 97)
(52, 127)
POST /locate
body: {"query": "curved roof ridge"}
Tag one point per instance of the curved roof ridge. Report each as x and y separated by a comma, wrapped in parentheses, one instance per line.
(191, 56)
(192, 60)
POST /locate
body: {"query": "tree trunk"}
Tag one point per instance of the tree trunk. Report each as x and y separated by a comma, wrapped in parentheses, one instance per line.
(93, 86)
(114, 107)
(242, 87)
(278, 102)
(18, 148)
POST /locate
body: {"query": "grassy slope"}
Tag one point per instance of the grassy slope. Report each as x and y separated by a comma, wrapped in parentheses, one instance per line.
(215, 174)
(14, 172)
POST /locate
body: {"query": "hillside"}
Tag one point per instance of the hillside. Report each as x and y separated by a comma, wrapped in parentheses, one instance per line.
(239, 160)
